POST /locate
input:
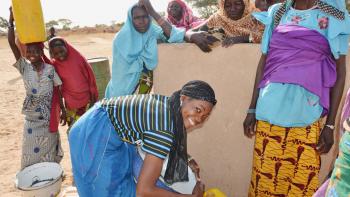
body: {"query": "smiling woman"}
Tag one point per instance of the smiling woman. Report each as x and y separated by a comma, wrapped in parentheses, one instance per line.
(102, 162)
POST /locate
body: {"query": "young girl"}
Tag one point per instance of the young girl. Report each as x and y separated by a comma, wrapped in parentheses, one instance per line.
(40, 137)
(79, 85)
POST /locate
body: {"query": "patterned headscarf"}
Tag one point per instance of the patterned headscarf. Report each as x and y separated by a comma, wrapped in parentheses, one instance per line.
(177, 170)
(245, 26)
(188, 20)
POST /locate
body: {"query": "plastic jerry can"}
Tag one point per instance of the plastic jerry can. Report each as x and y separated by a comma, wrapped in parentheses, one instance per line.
(29, 20)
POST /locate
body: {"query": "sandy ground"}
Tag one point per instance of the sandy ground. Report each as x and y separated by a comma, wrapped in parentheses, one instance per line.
(11, 99)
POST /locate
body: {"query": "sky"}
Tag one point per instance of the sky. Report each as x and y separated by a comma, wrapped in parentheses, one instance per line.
(86, 12)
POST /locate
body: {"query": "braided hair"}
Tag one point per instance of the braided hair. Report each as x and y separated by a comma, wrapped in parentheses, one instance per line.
(177, 168)
(323, 6)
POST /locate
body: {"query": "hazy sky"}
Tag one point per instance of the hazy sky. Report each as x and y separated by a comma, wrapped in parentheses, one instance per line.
(85, 12)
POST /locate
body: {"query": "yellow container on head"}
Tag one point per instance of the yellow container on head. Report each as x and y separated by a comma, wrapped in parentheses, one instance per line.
(214, 192)
(29, 20)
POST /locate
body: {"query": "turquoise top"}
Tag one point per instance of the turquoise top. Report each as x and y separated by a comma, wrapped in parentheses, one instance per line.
(290, 105)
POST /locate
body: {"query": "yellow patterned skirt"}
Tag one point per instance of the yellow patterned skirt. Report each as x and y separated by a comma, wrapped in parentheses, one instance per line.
(285, 161)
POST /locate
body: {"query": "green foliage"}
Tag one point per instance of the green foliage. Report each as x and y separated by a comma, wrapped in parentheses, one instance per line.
(205, 8)
(3, 22)
(51, 23)
(65, 23)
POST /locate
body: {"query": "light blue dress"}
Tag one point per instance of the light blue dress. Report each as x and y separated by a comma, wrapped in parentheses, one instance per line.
(290, 105)
(132, 51)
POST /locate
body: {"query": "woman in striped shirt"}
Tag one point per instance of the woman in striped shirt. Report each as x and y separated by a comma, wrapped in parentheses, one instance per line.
(103, 142)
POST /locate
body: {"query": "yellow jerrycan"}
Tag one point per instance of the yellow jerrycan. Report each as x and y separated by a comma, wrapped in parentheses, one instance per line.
(29, 20)
(214, 192)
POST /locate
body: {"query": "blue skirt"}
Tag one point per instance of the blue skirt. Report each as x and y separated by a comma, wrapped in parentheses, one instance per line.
(103, 165)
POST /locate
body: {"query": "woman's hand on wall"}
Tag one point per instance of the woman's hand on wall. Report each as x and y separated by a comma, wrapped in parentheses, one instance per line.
(229, 41)
(202, 40)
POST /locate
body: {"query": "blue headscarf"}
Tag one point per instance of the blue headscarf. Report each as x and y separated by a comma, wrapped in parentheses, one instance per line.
(131, 51)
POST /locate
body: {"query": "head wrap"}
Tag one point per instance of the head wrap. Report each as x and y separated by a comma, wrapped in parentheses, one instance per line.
(177, 165)
(242, 27)
(132, 51)
(188, 20)
(79, 83)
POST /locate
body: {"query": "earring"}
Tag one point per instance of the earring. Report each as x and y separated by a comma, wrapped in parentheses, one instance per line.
(180, 103)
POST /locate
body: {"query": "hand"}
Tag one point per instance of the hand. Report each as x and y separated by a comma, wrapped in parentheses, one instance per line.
(249, 125)
(11, 19)
(147, 4)
(203, 41)
(195, 168)
(229, 41)
(198, 190)
(326, 141)
(63, 118)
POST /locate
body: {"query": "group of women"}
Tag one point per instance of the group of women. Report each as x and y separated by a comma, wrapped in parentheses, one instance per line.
(299, 81)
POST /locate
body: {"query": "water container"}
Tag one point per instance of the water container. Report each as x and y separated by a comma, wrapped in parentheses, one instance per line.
(29, 20)
(214, 192)
(40, 180)
(100, 66)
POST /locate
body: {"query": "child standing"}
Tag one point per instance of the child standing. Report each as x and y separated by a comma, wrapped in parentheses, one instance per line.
(40, 137)
(79, 85)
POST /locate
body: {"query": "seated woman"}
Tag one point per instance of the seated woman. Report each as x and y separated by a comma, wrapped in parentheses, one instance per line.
(103, 141)
(234, 23)
(135, 51)
(181, 15)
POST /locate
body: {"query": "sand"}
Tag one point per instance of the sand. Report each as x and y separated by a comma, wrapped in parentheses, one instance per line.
(11, 98)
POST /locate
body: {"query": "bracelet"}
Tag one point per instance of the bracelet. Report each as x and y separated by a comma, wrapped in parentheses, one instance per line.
(332, 127)
(251, 111)
(250, 38)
